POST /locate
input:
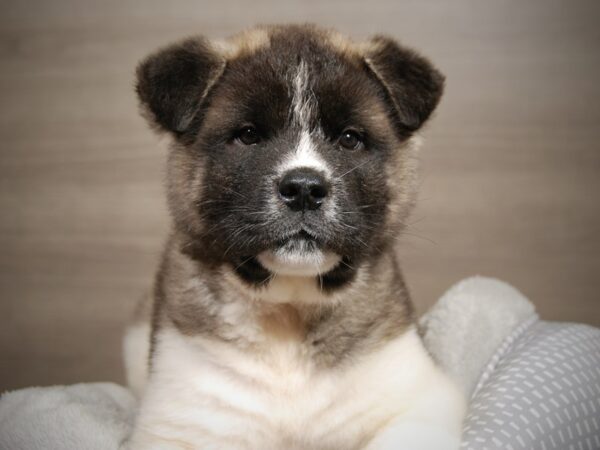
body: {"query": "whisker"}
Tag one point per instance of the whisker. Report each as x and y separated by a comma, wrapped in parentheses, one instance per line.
(361, 241)
(269, 278)
(346, 264)
(348, 226)
(233, 191)
(353, 169)
(408, 233)
(235, 235)
(242, 263)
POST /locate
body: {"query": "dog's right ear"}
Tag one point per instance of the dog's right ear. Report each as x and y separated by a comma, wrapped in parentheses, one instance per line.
(173, 82)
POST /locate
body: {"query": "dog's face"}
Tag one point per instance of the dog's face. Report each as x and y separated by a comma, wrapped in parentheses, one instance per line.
(293, 147)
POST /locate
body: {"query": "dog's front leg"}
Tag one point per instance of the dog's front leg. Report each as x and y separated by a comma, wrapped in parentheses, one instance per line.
(433, 422)
(413, 435)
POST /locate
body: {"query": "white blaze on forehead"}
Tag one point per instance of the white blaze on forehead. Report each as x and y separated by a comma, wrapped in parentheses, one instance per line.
(305, 155)
(303, 101)
(304, 105)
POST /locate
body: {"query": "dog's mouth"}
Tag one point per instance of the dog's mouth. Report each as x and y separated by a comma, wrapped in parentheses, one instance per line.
(300, 253)
(302, 240)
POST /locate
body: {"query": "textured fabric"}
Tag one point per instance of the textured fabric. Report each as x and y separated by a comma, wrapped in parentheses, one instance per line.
(90, 416)
(463, 330)
(543, 393)
(502, 350)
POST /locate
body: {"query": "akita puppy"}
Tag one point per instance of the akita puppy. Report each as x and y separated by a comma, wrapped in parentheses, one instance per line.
(280, 318)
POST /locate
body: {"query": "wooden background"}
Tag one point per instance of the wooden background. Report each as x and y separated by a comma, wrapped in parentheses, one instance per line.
(510, 167)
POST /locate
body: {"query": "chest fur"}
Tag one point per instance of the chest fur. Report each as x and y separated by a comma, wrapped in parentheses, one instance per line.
(210, 395)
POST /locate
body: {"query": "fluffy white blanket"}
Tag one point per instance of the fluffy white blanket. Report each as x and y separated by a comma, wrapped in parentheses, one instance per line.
(462, 332)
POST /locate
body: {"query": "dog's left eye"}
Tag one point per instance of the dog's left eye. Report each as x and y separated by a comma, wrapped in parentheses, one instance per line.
(248, 136)
(350, 139)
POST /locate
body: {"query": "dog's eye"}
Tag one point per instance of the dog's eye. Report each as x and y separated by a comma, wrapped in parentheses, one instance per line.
(350, 139)
(248, 136)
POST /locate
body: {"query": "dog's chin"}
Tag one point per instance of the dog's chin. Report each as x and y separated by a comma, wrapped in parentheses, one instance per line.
(298, 257)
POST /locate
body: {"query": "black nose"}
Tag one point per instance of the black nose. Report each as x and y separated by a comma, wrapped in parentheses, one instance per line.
(303, 189)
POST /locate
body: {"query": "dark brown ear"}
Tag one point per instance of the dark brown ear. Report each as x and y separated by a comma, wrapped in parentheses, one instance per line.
(413, 86)
(172, 83)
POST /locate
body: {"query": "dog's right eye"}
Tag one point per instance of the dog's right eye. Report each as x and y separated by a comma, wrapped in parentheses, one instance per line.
(248, 136)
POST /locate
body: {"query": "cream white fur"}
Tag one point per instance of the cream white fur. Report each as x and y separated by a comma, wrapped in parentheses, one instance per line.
(301, 262)
(136, 346)
(305, 155)
(303, 100)
(205, 394)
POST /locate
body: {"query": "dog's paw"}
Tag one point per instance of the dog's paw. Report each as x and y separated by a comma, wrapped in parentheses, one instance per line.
(414, 436)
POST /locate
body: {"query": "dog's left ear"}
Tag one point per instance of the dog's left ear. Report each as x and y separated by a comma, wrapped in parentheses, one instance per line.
(413, 86)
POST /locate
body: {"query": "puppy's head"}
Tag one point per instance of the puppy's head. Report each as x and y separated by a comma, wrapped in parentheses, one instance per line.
(294, 147)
